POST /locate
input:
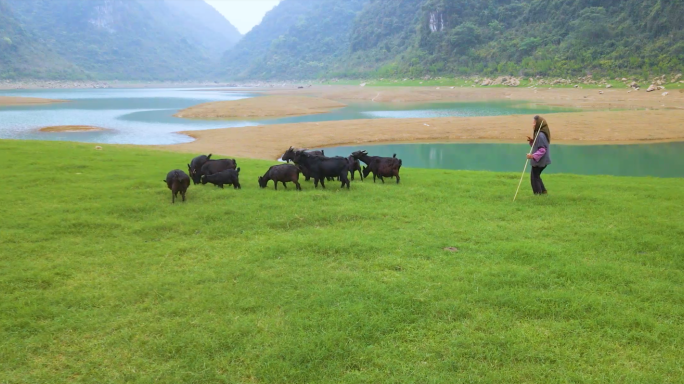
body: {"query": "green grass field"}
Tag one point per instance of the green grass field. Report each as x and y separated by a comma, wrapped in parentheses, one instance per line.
(103, 280)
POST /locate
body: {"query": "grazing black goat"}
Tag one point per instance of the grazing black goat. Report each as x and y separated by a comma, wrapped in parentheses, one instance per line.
(216, 166)
(177, 181)
(283, 173)
(195, 167)
(227, 177)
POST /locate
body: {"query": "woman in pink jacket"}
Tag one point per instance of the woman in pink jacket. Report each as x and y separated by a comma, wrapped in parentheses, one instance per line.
(540, 157)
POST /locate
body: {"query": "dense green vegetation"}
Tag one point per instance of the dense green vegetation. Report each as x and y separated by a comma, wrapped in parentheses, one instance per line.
(559, 37)
(23, 54)
(116, 39)
(102, 279)
(297, 39)
(415, 38)
(383, 32)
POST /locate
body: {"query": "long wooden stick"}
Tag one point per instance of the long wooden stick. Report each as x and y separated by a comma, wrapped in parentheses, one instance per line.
(526, 162)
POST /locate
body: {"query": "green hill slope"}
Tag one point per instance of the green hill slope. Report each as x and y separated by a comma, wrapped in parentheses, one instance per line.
(130, 39)
(451, 37)
(23, 55)
(559, 37)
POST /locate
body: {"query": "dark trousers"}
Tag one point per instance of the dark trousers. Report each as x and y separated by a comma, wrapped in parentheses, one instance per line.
(537, 183)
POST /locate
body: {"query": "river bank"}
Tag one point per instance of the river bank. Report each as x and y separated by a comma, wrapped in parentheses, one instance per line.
(269, 142)
(595, 99)
(291, 101)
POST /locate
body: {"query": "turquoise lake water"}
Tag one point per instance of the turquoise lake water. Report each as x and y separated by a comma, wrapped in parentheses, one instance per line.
(145, 116)
(659, 160)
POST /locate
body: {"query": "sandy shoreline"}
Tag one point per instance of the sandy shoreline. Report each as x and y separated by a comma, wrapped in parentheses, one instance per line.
(72, 128)
(268, 142)
(7, 101)
(260, 107)
(588, 99)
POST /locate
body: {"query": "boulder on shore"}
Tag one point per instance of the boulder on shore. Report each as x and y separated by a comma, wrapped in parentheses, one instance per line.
(651, 88)
(511, 82)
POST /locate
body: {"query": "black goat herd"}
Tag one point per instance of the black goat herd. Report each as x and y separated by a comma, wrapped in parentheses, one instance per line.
(312, 164)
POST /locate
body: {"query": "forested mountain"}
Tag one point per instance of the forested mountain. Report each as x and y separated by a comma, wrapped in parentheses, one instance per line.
(127, 39)
(451, 37)
(23, 55)
(303, 39)
(297, 39)
(554, 37)
(384, 31)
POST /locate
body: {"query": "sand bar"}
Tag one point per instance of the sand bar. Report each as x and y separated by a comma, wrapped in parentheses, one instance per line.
(72, 128)
(269, 142)
(260, 107)
(6, 101)
(589, 99)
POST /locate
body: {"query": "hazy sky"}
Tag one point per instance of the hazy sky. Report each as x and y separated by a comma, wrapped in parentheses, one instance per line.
(243, 14)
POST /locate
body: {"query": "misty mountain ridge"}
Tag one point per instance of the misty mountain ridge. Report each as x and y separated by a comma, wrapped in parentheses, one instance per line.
(116, 39)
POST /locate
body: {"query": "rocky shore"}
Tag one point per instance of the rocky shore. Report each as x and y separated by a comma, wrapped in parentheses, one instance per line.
(474, 81)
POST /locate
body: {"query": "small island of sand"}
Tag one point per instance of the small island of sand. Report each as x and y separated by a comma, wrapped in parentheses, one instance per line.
(260, 107)
(13, 101)
(72, 128)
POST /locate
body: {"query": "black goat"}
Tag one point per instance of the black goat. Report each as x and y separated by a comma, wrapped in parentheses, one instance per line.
(283, 173)
(290, 154)
(177, 181)
(379, 166)
(216, 166)
(321, 167)
(227, 177)
(354, 166)
(195, 167)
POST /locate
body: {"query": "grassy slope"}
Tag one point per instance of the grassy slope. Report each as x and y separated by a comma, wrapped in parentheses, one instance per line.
(103, 280)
